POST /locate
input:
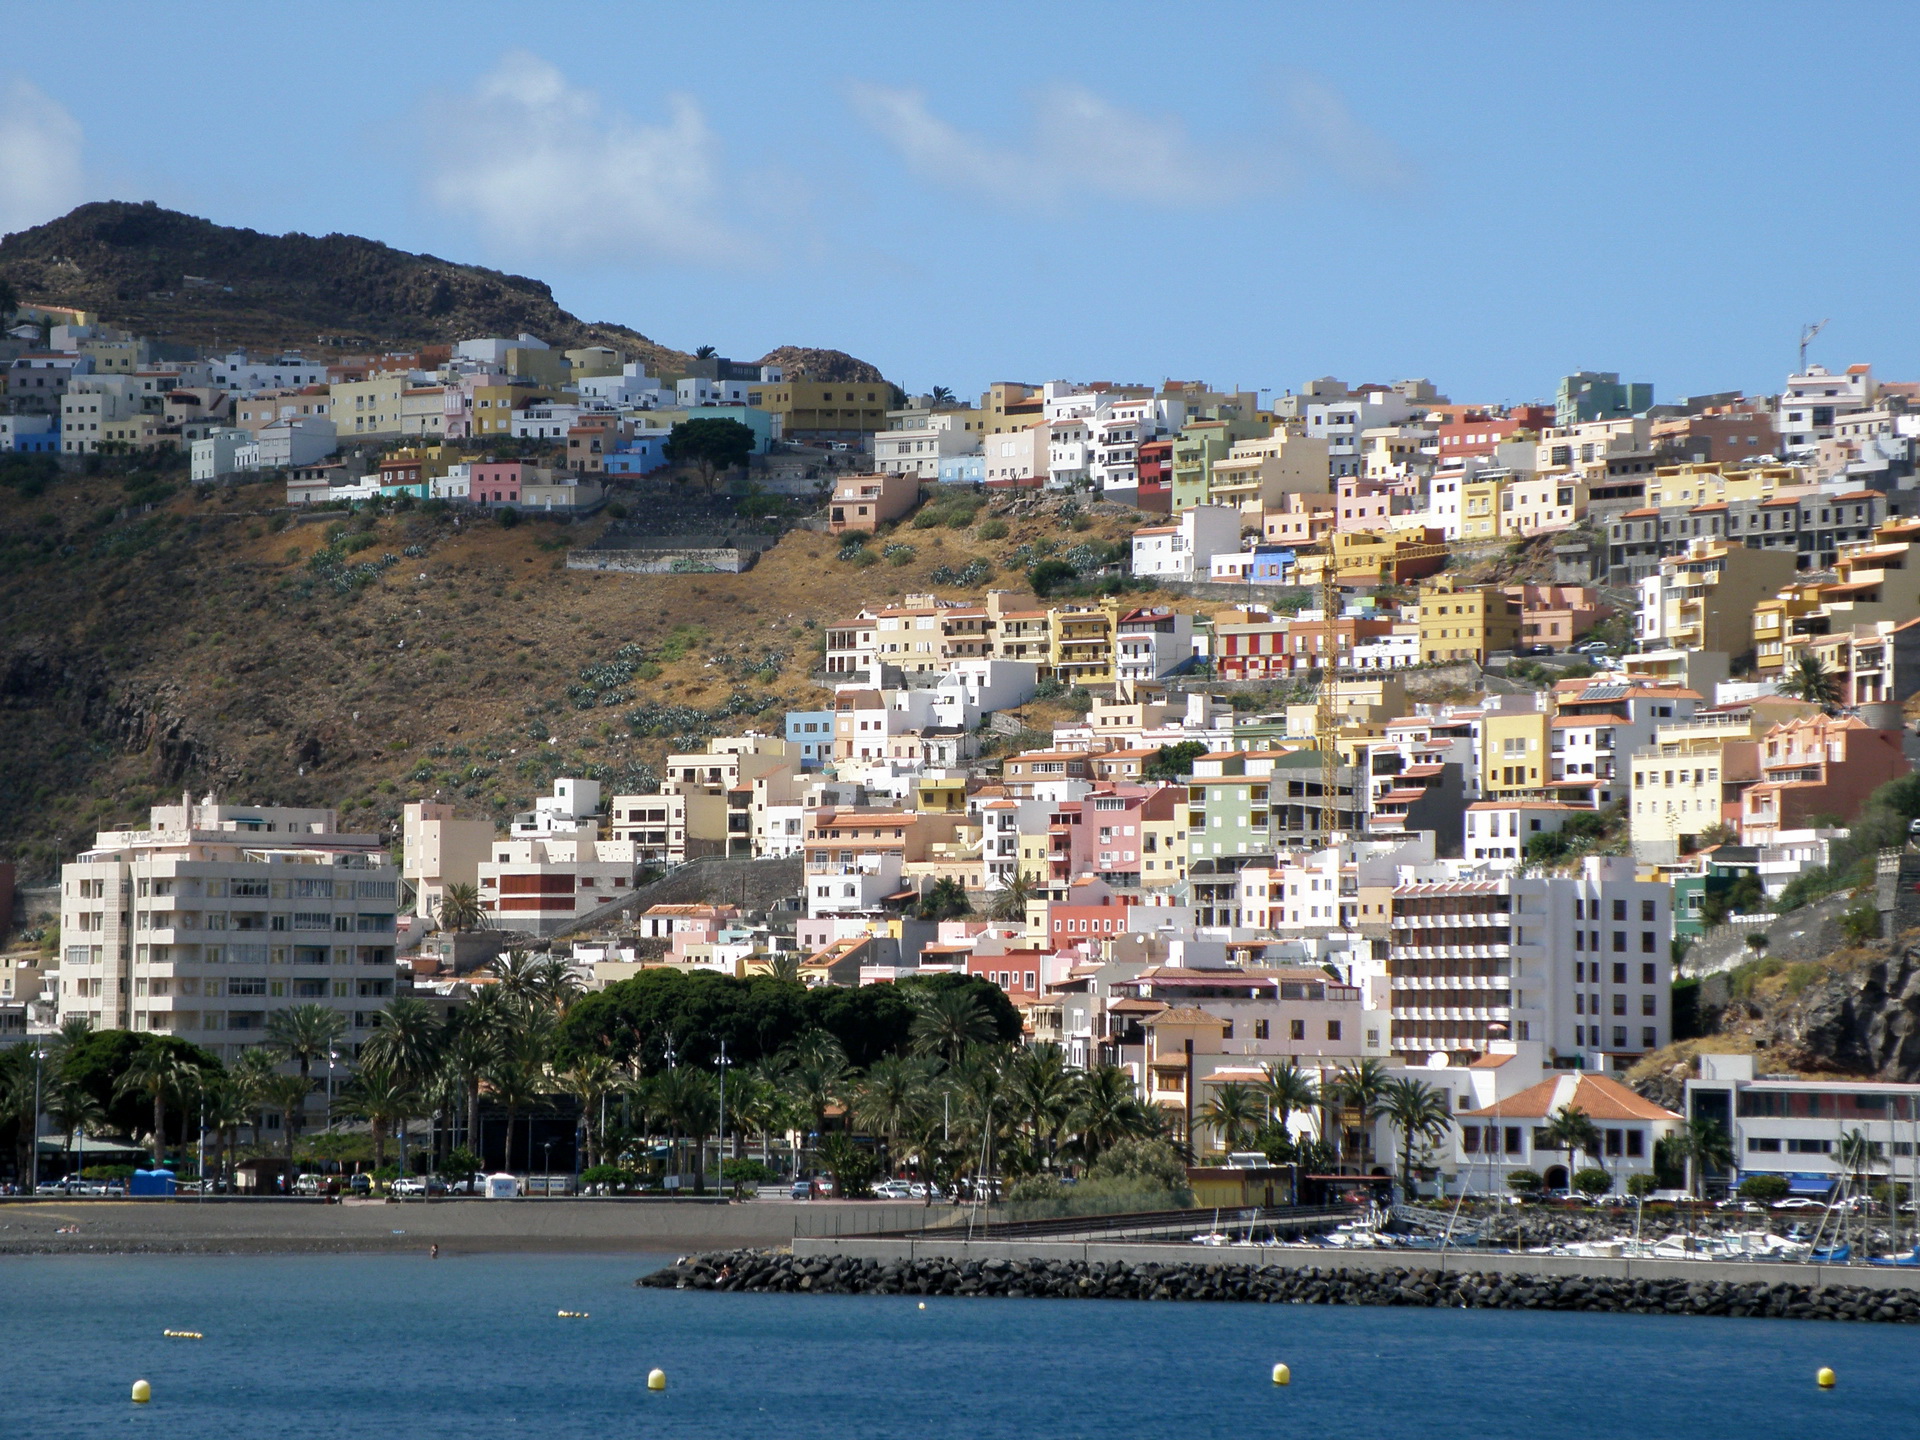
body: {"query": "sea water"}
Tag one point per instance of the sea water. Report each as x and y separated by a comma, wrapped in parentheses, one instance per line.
(472, 1346)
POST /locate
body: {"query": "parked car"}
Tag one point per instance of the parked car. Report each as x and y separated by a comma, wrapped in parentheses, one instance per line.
(407, 1186)
(474, 1184)
(802, 1190)
(1798, 1202)
(893, 1190)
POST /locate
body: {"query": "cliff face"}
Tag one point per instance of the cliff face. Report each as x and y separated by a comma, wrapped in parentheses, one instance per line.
(1859, 1015)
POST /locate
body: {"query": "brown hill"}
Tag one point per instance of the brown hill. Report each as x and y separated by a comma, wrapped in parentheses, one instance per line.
(185, 281)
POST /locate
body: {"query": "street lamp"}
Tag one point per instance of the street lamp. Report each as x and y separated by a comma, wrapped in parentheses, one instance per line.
(547, 1166)
(723, 1063)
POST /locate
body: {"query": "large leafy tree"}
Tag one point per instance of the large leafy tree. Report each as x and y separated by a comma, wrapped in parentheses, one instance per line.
(97, 1060)
(710, 446)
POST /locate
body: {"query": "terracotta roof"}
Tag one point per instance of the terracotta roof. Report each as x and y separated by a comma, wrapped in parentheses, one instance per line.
(1602, 718)
(1597, 1095)
(1188, 1015)
(1490, 1062)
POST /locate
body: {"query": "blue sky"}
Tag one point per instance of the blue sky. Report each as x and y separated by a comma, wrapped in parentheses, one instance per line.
(1487, 195)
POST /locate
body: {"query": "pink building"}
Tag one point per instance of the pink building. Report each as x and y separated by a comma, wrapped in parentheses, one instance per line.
(1817, 767)
(498, 482)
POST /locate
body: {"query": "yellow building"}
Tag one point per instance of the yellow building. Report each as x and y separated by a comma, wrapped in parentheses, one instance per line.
(1513, 754)
(1707, 483)
(1374, 557)
(1480, 500)
(1163, 849)
(1690, 778)
(370, 408)
(824, 408)
(1082, 643)
(593, 361)
(1879, 580)
(1465, 622)
(1706, 597)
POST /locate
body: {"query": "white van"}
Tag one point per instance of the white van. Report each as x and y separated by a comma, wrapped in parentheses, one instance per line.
(503, 1187)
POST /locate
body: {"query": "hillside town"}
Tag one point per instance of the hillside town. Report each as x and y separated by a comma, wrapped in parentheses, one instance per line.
(1373, 807)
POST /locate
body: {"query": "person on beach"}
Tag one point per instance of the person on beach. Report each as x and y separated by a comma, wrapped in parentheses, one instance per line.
(433, 1251)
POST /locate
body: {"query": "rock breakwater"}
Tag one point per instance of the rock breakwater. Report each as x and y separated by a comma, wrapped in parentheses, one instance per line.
(774, 1272)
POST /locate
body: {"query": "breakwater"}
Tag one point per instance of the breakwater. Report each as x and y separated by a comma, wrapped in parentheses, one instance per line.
(1789, 1296)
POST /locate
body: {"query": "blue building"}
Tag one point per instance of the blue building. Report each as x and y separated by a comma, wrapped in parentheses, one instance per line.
(812, 731)
(1270, 566)
(639, 455)
(963, 470)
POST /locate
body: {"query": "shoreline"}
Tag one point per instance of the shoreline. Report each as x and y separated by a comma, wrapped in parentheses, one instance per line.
(458, 1226)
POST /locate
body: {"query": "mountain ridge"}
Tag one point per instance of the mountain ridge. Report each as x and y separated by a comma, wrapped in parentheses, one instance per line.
(182, 280)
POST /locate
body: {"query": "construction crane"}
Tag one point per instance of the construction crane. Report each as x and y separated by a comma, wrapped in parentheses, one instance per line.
(1323, 719)
(1807, 332)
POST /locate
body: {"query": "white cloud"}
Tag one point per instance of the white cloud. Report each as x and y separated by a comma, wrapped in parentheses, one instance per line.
(1330, 135)
(41, 175)
(545, 166)
(1078, 147)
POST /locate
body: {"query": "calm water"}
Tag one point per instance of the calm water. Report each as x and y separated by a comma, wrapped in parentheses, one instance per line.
(471, 1347)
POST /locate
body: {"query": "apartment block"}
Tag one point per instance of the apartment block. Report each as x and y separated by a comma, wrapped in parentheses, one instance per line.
(215, 916)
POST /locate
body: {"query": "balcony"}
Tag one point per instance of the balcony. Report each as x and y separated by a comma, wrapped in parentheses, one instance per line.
(1452, 982)
(1453, 952)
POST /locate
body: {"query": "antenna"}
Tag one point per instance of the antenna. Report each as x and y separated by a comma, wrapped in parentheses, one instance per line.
(1807, 332)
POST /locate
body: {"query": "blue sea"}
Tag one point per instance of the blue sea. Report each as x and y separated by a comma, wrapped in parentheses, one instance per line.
(471, 1346)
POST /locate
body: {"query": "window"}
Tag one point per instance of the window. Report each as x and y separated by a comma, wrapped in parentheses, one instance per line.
(1619, 940)
(1333, 1029)
(1296, 1029)
(1763, 1144)
(1647, 942)
(1649, 1004)
(1619, 972)
(1649, 1037)
(1619, 909)
(1260, 1030)
(1647, 973)
(1647, 908)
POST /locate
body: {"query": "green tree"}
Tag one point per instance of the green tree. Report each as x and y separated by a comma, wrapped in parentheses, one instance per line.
(468, 1056)
(1809, 679)
(1642, 1185)
(1765, 1189)
(288, 1094)
(1174, 762)
(1287, 1088)
(1705, 1146)
(160, 1074)
(888, 1097)
(1571, 1129)
(946, 1022)
(1417, 1110)
(1108, 1112)
(1010, 902)
(1043, 1093)
(1524, 1182)
(1592, 1182)
(74, 1108)
(460, 909)
(305, 1034)
(946, 900)
(383, 1097)
(690, 1103)
(1360, 1086)
(710, 446)
(1233, 1111)
(852, 1165)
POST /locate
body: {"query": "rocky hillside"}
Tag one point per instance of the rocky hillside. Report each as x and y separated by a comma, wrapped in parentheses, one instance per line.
(158, 640)
(185, 281)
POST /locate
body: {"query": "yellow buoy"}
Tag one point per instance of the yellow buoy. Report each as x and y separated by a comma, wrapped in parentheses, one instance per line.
(1282, 1375)
(1826, 1379)
(142, 1392)
(656, 1379)
(923, 1304)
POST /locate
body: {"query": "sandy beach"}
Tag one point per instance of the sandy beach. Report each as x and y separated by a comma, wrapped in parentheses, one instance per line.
(222, 1226)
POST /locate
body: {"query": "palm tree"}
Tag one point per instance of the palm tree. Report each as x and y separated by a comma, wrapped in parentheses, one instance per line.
(1706, 1147)
(1043, 1094)
(382, 1097)
(818, 1077)
(1231, 1111)
(18, 1091)
(1571, 1129)
(305, 1034)
(518, 1078)
(407, 1040)
(227, 1103)
(1108, 1112)
(1288, 1088)
(1415, 1108)
(516, 975)
(1810, 680)
(468, 1055)
(288, 1094)
(592, 1079)
(947, 900)
(74, 1108)
(887, 1097)
(1011, 902)
(784, 966)
(460, 909)
(1360, 1086)
(160, 1072)
(687, 1099)
(947, 1021)
(983, 1103)
(942, 395)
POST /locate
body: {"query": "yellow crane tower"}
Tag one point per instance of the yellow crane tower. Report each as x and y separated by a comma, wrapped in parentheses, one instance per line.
(1323, 720)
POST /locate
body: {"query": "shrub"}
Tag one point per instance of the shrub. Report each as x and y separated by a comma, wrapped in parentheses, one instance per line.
(612, 1177)
(1766, 1189)
(1525, 1182)
(899, 554)
(990, 530)
(1641, 1186)
(1861, 923)
(1592, 1181)
(508, 517)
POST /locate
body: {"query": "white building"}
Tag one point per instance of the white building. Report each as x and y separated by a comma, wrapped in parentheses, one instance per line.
(1793, 1127)
(1343, 423)
(243, 376)
(287, 443)
(1185, 549)
(1017, 457)
(1152, 641)
(1581, 964)
(920, 440)
(215, 916)
(631, 389)
(221, 454)
(1808, 407)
